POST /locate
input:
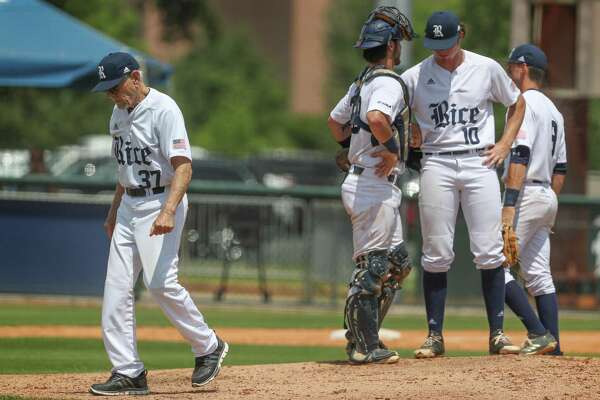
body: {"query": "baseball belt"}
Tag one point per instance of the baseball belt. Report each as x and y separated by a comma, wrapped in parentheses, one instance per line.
(141, 192)
(393, 178)
(455, 152)
(537, 182)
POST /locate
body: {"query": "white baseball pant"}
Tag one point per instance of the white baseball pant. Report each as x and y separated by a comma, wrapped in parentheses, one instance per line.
(446, 183)
(534, 217)
(132, 250)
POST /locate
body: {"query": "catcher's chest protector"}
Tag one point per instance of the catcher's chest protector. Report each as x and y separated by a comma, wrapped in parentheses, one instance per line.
(400, 125)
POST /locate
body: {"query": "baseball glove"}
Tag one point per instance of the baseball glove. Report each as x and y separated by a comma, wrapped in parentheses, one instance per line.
(511, 245)
(341, 159)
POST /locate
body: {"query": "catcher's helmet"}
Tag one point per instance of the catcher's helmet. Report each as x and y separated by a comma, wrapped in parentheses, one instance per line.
(384, 24)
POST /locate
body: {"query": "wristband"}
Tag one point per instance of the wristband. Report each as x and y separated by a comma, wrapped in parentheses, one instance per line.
(510, 197)
(560, 169)
(391, 145)
(345, 143)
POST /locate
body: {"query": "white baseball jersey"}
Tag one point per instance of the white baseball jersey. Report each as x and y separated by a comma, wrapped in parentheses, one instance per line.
(145, 140)
(384, 94)
(455, 109)
(543, 131)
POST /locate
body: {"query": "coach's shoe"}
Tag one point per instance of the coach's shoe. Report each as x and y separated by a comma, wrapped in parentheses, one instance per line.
(208, 366)
(538, 344)
(377, 356)
(119, 384)
(433, 346)
(501, 344)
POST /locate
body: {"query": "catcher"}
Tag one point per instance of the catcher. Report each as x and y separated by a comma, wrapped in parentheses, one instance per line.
(371, 121)
(535, 176)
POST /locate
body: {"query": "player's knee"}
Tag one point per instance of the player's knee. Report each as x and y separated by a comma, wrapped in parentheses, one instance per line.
(494, 265)
(540, 285)
(399, 256)
(508, 276)
(371, 269)
(437, 253)
(399, 263)
(487, 248)
(164, 289)
(436, 268)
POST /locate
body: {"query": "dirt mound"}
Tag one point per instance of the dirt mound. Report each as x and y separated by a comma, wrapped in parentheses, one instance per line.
(500, 377)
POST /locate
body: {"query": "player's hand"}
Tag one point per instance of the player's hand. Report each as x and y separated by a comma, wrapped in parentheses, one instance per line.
(164, 223)
(387, 164)
(416, 138)
(508, 215)
(496, 155)
(109, 225)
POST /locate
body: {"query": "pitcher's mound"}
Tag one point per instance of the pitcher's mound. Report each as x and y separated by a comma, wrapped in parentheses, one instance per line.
(501, 377)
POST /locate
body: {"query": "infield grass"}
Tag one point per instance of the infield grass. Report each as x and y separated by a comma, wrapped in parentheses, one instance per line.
(56, 355)
(13, 315)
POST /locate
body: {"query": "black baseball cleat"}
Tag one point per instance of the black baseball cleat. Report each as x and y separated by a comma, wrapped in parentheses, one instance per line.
(208, 366)
(119, 384)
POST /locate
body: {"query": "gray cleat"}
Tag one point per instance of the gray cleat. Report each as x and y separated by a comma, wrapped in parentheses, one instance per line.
(433, 346)
(208, 366)
(119, 384)
(377, 356)
(539, 344)
(501, 344)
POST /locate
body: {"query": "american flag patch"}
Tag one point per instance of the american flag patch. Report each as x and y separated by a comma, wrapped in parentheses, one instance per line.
(179, 144)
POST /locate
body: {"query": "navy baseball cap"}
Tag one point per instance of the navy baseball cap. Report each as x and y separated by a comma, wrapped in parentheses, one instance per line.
(528, 54)
(441, 31)
(113, 69)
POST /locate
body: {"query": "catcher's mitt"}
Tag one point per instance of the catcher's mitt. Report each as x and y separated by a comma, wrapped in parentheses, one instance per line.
(341, 159)
(511, 245)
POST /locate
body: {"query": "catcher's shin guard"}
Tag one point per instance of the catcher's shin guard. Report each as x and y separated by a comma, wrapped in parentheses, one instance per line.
(362, 321)
(361, 315)
(385, 302)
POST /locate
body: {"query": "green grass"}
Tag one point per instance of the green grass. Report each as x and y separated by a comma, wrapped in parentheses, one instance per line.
(54, 355)
(13, 315)
(58, 355)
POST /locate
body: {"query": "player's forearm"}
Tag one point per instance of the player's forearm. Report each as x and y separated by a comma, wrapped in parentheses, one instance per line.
(558, 180)
(179, 186)
(516, 176)
(516, 112)
(337, 130)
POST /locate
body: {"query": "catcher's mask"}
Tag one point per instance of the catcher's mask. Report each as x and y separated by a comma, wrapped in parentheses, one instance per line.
(384, 24)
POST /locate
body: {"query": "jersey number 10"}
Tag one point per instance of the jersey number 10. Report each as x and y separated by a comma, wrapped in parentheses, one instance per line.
(471, 135)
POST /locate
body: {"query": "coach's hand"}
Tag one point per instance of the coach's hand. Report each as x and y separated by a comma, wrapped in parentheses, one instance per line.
(387, 164)
(164, 223)
(496, 154)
